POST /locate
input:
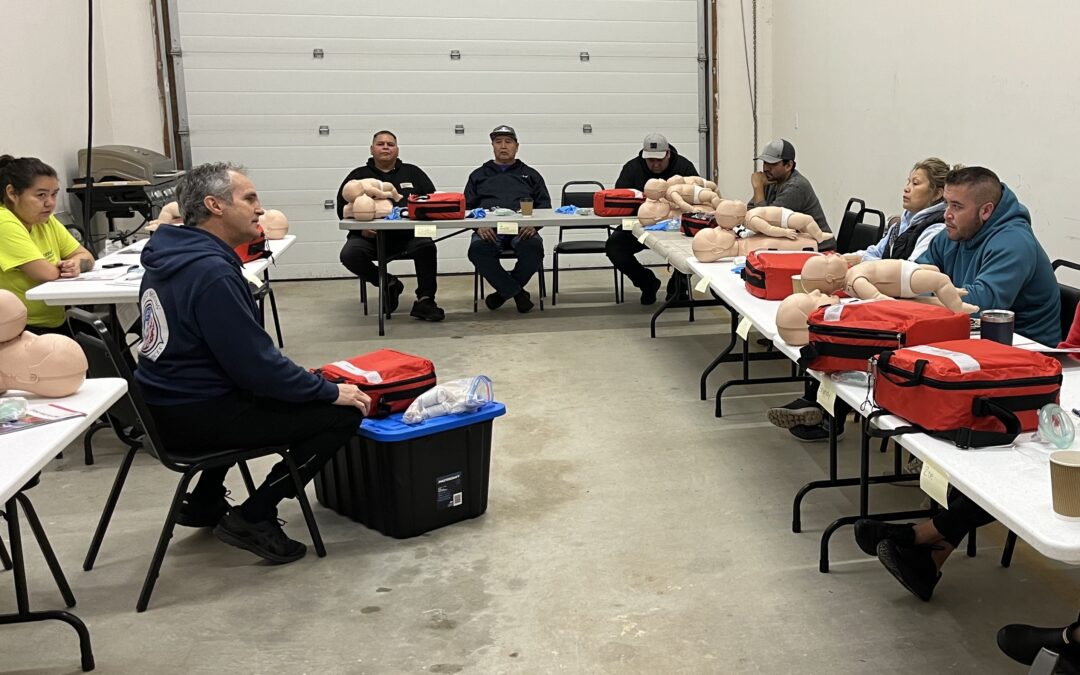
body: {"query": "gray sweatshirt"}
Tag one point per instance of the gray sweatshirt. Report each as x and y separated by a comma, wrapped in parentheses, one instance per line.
(797, 194)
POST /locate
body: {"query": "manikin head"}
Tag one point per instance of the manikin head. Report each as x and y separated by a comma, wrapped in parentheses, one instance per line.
(713, 243)
(219, 198)
(925, 184)
(28, 188)
(363, 208)
(971, 195)
(777, 160)
(48, 365)
(504, 143)
(824, 273)
(12, 316)
(730, 212)
(384, 149)
(656, 151)
(274, 223)
(655, 188)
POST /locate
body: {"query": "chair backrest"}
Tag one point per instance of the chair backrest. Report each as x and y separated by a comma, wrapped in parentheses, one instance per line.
(866, 232)
(1070, 298)
(105, 359)
(580, 198)
(852, 213)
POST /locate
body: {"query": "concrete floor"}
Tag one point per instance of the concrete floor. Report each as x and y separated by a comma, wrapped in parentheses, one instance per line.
(627, 531)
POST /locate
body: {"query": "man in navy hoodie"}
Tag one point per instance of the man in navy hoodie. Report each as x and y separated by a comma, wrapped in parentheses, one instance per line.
(213, 378)
(504, 182)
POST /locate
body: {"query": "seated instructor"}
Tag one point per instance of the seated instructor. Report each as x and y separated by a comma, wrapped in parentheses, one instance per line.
(779, 183)
(657, 159)
(34, 246)
(213, 378)
(358, 254)
(990, 251)
(504, 182)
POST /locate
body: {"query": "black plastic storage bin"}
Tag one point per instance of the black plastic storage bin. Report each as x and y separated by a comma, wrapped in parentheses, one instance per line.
(404, 480)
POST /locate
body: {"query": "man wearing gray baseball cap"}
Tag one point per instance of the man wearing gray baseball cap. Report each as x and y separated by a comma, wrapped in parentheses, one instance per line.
(779, 183)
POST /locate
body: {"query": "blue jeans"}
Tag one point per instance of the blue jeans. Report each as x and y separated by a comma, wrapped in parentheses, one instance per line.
(485, 256)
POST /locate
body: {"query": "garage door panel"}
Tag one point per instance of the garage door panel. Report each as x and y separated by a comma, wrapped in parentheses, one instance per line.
(380, 86)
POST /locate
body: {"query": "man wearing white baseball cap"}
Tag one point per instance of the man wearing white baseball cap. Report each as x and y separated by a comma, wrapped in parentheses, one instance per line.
(779, 183)
(657, 159)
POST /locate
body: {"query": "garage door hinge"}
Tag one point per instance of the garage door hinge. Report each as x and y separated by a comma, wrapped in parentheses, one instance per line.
(176, 52)
(701, 58)
(328, 204)
(703, 128)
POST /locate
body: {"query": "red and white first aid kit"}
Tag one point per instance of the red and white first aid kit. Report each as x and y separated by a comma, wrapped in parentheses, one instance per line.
(972, 392)
(391, 378)
(846, 336)
(437, 206)
(256, 249)
(768, 273)
(617, 202)
(692, 223)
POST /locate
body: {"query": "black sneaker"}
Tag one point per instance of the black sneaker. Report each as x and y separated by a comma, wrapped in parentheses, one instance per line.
(201, 514)
(869, 533)
(394, 289)
(648, 294)
(494, 301)
(425, 309)
(912, 566)
(265, 539)
(524, 302)
(1022, 643)
(799, 412)
(815, 433)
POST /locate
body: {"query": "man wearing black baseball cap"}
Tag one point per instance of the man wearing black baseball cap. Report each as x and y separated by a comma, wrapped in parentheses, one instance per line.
(504, 182)
(780, 184)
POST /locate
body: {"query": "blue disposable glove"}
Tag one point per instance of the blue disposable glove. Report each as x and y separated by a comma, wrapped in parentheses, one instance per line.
(476, 213)
(395, 214)
(571, 209)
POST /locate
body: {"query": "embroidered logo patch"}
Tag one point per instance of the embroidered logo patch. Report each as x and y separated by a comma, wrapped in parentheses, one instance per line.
(155, 327)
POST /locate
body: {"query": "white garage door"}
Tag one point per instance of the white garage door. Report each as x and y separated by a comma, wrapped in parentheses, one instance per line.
(582, 82)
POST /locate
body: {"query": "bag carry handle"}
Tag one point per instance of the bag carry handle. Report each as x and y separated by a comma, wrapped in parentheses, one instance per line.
(889, 433)
(916, 375)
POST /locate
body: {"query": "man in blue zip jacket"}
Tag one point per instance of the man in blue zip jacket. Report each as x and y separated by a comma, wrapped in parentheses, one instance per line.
(990, 251)
(504, 182)
(212, 377)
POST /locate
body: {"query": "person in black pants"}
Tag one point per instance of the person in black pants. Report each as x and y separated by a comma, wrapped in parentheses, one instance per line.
(915, 553)
(359, 252)
(503, 182)
(214, 380)
(657, 159)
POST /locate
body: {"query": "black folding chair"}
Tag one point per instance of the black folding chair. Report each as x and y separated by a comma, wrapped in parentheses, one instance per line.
(106, 360)
(581, 199)
(856, 232)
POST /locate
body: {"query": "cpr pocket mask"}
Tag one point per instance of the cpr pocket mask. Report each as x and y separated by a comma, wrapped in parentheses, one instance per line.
(452, 398)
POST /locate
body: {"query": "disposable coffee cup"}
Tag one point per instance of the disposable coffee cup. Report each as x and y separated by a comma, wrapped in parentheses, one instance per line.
(1065, 483)
(526, 207)
(997, 325)
(796, 284)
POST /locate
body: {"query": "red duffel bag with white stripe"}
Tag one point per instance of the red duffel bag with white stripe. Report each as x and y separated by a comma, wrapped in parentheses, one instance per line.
(391, 378)
(972, 392)
(848, 335)
(768, 273)
(617, 202)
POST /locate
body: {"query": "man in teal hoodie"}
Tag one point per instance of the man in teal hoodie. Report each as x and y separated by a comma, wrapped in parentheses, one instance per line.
(991, 251)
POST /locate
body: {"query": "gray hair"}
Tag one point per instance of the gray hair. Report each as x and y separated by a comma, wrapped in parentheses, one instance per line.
(206, 180)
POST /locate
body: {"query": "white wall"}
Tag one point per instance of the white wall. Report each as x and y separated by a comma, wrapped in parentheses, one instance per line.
(44, 114)
(865, 89)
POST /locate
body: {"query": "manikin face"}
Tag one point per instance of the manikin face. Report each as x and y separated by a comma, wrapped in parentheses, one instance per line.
(384, 149)
(241, 217)
(918, 193)
(36, 203)
(658, 166)
(505, 149)
(777, 172)
(964, 215)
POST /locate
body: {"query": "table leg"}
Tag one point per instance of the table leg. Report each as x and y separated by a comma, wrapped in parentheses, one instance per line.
(380, 262)
(746, 379)
(22, 600)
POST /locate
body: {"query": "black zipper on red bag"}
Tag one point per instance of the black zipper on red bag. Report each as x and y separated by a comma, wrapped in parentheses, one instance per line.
(973, 384)
(858, 333)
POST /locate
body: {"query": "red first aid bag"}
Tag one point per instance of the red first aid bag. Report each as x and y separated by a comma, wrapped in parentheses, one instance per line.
(617, 202)
(692, 223)
(768, 273)
(847, 336)
(391, 378)
(256, 249)
(973, 392)
(437, 206)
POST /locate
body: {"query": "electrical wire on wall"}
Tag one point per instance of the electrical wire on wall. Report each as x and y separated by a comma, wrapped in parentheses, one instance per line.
(751, 74)
(89, 180)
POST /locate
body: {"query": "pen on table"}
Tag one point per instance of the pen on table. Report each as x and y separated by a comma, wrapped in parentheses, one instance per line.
(1076, 411)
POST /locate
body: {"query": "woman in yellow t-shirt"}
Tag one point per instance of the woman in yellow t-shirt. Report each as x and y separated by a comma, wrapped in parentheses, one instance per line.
(34, 246)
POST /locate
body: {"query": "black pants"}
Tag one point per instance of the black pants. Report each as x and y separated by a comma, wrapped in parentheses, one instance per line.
(359, 253)
(622, 249)
(962, 516)
(840, 407)
(313, 432)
